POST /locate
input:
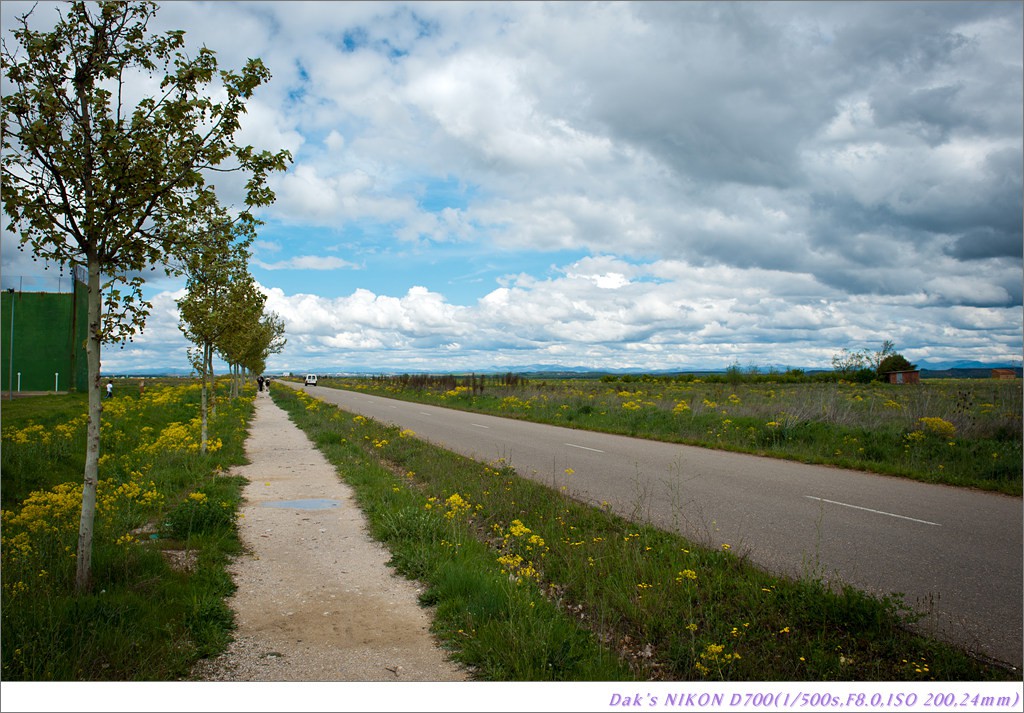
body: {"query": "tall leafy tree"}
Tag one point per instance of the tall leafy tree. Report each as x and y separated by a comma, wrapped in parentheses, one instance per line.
(265, 339)
(894, 362)
(91, 178)
(245, 308)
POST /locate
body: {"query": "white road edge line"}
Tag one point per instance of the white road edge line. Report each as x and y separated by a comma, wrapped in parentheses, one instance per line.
(573, 445)
(879, 512)
(479, 425)
(424, 413)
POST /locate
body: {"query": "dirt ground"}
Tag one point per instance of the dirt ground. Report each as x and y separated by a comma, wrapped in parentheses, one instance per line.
(316, 600)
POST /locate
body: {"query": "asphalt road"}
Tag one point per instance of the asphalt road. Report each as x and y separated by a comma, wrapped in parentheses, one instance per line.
(954, 554)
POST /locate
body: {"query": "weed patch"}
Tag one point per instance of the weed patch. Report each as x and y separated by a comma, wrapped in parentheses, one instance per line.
(164, 530)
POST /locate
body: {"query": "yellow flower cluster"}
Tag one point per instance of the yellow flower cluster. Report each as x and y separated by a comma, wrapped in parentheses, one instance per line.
(45, 511)
(714, 655)
(518, 568)
(919, 667)
(165, 395)
(520, 538)
(180, 437)
(70, 429)
(176, 437)
(938, 427)
(111, 497)
(457, 506)
(33, 433)
(512, 402)
(681, 407)
(50, 517)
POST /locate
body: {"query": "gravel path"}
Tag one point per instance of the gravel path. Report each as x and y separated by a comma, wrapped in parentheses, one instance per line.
(316, 600)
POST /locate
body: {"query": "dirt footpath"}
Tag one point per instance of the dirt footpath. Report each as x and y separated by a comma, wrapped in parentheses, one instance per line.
(316, 600)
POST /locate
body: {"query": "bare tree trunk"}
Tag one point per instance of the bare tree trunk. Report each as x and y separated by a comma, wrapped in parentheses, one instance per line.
(213, 379)
(83, 573)
(206, 348)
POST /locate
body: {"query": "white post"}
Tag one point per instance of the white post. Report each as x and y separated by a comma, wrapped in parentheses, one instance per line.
(56, 380)
(19, 382)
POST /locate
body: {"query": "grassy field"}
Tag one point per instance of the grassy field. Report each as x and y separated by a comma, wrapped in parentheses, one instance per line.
(527, 584)
(964, 432)
(165, 529)
(531, 585)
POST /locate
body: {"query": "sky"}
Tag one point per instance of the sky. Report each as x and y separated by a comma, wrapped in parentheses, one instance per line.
(636, 185)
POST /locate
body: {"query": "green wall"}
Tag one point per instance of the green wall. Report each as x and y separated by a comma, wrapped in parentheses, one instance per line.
(49, 340)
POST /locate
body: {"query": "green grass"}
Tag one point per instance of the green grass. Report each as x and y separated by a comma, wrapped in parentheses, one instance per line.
(25, 470)
(965, 433)
(526, 584)
(159, 501)
(530, 585)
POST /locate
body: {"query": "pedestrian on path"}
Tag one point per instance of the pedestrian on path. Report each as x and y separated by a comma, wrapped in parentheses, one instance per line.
(110, 389)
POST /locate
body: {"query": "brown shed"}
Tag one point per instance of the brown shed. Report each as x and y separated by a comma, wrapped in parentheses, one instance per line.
(1004, 374)
(904, 377)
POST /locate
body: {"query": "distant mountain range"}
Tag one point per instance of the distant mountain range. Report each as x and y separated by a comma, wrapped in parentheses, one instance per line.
(949, 369)
(925, 367)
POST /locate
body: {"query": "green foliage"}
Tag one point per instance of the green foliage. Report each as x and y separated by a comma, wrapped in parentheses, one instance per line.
(894, 362)
(56, 428)
(92, 179)
(131, 176)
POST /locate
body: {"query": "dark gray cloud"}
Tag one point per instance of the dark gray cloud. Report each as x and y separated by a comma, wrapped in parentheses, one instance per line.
(983, 243)
(930, 113)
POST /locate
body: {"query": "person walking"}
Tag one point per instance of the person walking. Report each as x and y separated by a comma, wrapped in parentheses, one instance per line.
(259, 382)
(110, 389)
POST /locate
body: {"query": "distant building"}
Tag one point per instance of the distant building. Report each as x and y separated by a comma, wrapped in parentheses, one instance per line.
(1004, 374)
(904, 377)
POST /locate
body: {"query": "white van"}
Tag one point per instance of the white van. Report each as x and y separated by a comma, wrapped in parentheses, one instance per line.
(310, 379)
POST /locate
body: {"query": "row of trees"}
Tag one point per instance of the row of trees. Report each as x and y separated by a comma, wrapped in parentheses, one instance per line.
(223, 312)
(93, 176)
